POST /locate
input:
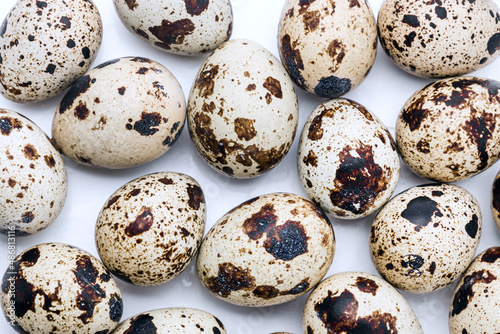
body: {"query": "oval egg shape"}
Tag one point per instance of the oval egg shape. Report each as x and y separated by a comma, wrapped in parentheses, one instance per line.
(347, 160)
(266, 251)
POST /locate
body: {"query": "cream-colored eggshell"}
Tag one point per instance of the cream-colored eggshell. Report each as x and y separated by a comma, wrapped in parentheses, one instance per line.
(45, 46)
(357, 302)
(495, 200)
(440, 38)
(266, 251)
(347, 160)
(57, 288)
(475, 303)
(123, 113)
(183, 27)
(172, 320)
(448, 131)
(149, 230)
(327, 46)
(424, 238)
(242, 110)
(33, 183)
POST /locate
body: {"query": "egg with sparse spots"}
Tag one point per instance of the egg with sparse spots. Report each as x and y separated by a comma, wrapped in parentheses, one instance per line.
(357, 302)
(268, 250)
(495, 200)
(33, 183)
(327, 46)
(347, 160)
(172, 320)
(149, 230)
(424, 238)
(57, 288)
(185, 27)
(475, 302)
(242, 110)
(123, 113)
(447, 131)
(440, 38)
(45, 46)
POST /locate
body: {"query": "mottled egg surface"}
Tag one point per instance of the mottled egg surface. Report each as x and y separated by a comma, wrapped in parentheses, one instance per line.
(268, 250)
(424, 238)
(172, 320)
(45, 46)
(447, 131)
(440, 38)
(327, 46)
(495, 200)
(123, 113)
(347, 160)
(357, 302)
(57, 288)
(33, 182)
(242, 110)
(186, 27)
(475, 303)
(149, 230)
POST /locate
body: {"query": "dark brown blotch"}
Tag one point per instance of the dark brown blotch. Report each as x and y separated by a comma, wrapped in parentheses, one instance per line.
(166, 181)
(78, 88)
(7, 124)
(81, 111)
(480, 129)
(260, 222)
(196, 7)
(50, 161)
(112, 201)
(172, 32)
(311, 159)
(91, 292)
(196, 197)
(311, 20)
(472, 227)
(491, 255)
(30, 152)
(147, 125)
(244, 128)
(292, 60)
(287, 241)
(141, 324)
(205, 81)
(141, 224)
(230, 278)
(465, 292)
(336, 50)
(274, 87)
(115, 307)
(132, 4)
(266, 292)
(367, 285)
(411, 20)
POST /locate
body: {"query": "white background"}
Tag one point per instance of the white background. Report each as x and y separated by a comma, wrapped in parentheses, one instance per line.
(383, 92)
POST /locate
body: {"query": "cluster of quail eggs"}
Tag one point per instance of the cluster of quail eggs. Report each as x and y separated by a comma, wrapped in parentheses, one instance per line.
(158, 154)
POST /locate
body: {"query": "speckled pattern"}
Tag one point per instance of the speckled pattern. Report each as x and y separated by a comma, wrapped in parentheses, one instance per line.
(268, 250)
(33, 182)
(172, 320)
(424, 238)
(60, 289)
(123, 113)
(447, 131)
(186, 27)
(149, 230)
(475, 303)
(327, 46)
(45, 46)
(440, 38)
(242, 110)
(495, 200)
(347, 161)
(357, 302)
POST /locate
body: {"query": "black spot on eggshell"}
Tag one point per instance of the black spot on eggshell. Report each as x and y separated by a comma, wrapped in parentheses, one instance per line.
(367, 285)
(141, 224)
(112, 201)
(78, 88)
(441, 12)
(411, 20)
(146, 126)
(354, 3)
(196, 197)
(166, 181)
(122, 90)
(420, 210)
(66, 21)
(71, 43)
(266, 292)
(491, 255)
(332, 86)
(287, 241)
(494, 43)
(27, 217)
(413, 263)
(230, 278)
(141, 33)
(91, 293)
(41, 4)
(142, 324)
(172, 32)
(196, 7)
(115, 307)
(8, 123)
(86, 52)
(472, 227)
(465, 292)
(216, 330)
(260, 222)
(299, 288)
(305, 3)
(292, 61)
(50, 69)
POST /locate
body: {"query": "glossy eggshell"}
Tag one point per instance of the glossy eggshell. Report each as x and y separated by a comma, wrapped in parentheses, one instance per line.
(45, 46)
(33, 183)
(123, 113)
(172, 320)
(440, 38)
(475, 303)
(424, 238)
(186, 27)
(57, 288)
(448, 131)
(327, 46)
(149, 230)
(242, 110)
(347, 160)
(357, 302)
(266, 251)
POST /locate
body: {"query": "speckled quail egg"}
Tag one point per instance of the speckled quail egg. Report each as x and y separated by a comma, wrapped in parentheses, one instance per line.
(440, 38)
(475, 303)
(57, 288)
(123, 113)
(327, 46)
(495, 200)
(424, 238)
(45, 46)
(266, 251)
(33, 182)
(186, 27)
(447, 131)
(242, 110)
(357, 302)
(172, 320)
(150, 229)
(347, 160)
